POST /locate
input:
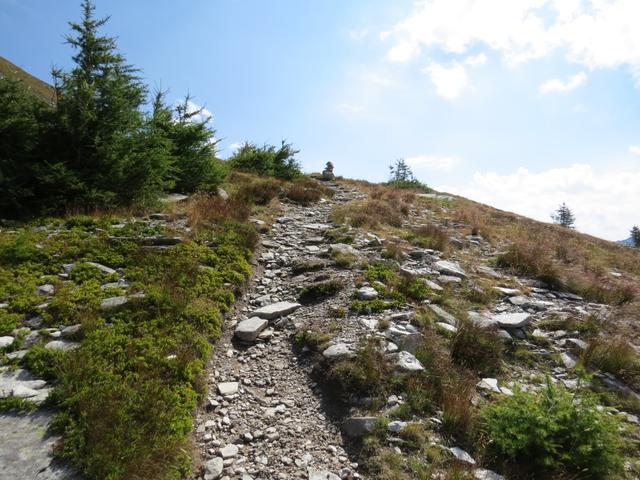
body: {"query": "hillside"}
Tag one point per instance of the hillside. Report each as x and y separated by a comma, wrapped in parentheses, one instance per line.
(41, 89)
(380, 333)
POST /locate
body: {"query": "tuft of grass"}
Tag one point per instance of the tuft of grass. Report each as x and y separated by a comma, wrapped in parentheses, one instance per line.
(313, 340)
(532, 257)
(344, 259)
(320, 290)
(16, 404)
(477, 348)
(614, 355)
(258, 191)
(305, 190)
(429, 236)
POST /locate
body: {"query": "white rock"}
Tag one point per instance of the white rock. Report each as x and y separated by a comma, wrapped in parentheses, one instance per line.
(509, 292)
(489, 384)
(568, 361)
(46, 289)
(443, 315)
(228, 388)
(102, 268)
(6, 341)
(445, 327)
(61, 345)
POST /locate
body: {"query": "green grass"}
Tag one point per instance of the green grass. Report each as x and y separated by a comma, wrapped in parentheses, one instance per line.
(15, 404)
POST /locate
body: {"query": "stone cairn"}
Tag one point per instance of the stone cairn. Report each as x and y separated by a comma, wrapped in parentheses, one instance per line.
(327, 173)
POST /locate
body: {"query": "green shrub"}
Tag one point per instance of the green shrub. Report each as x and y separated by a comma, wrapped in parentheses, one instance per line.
(267, 160)
(43, 363)
(365, 375)
(8, 321)
(553, 431)
(16, 404)
(477, 348)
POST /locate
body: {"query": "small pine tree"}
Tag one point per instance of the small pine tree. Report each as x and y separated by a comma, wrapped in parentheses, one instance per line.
(564, 216)
(635, 236)
(401, 175)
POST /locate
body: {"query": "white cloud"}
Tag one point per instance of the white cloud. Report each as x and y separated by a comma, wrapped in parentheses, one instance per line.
(476, 60)
(592, 33)
(234, 146)
(605, 203)
(450, 82)
(634, 149)
(403, 52)
(432, 162)
(558, 86)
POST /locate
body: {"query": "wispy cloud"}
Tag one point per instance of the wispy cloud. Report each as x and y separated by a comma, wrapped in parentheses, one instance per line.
(558, 86)
(634, 149)
(449, 81)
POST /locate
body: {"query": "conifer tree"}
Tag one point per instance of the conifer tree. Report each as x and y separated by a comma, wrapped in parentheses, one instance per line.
(635, 236)
(564, 216)
(100, 128)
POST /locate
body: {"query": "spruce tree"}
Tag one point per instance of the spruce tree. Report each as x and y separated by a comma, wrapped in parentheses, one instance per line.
(635, 236)
(100, 128)
(564, 216)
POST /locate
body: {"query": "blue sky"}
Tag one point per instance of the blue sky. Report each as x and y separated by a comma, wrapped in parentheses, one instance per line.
(522, 104)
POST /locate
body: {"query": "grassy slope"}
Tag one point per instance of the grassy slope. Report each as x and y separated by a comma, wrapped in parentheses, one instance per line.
(37, 86)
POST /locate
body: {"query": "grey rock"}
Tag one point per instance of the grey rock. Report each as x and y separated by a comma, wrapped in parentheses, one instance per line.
(229, 451)
(367, 293)
(445, 327)
(222, 193)
(63, 345)
(316, 474)
(102, 268)
(449, 268)
(248, 330)
(276, 310)
(443, 315)
(46, 289)
(359, 426)
(509, 292)
(396, 426)
(449, 279)
(408, 363)
(433, 285)
(462, 455)
(113, 302)
(405, 336)
(70, 330)
(213, 468)
(512, 320)
(6, 341)
(482, 474)
(488, 271)
(338, 351)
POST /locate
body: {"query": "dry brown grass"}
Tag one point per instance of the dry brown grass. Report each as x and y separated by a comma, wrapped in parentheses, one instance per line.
(203, 210)
(614, 355)
(384, 206)
(430, 236)
(306, 190)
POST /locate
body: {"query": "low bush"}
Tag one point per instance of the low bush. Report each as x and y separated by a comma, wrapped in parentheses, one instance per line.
(43, 363)
(553, 432)
(477, 348)
(259, 191)
(8, 321)
(16, 405)
(267, 160)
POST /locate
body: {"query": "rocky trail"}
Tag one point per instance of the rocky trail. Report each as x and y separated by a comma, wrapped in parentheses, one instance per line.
(265, 417)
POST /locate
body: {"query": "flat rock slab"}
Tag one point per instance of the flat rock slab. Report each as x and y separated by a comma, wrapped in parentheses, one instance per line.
(20, 383)
(249, 330)
(449, 268)
(339, 351)
(359, 426)
(276, 310)
(113, 302)
(512, 320)
(61, 345)
(446, 317)
(25, 449)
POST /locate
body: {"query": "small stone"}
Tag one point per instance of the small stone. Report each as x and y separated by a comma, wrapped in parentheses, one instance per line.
(113, 302)
(396, 426)
(449, 268)
(228, 388)
(46, 289)
(367, 293)
(512, 320)
(408, 362)
(316, 474)
(229, 451)
(462, 455)
(338, 351)
(213, 468)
